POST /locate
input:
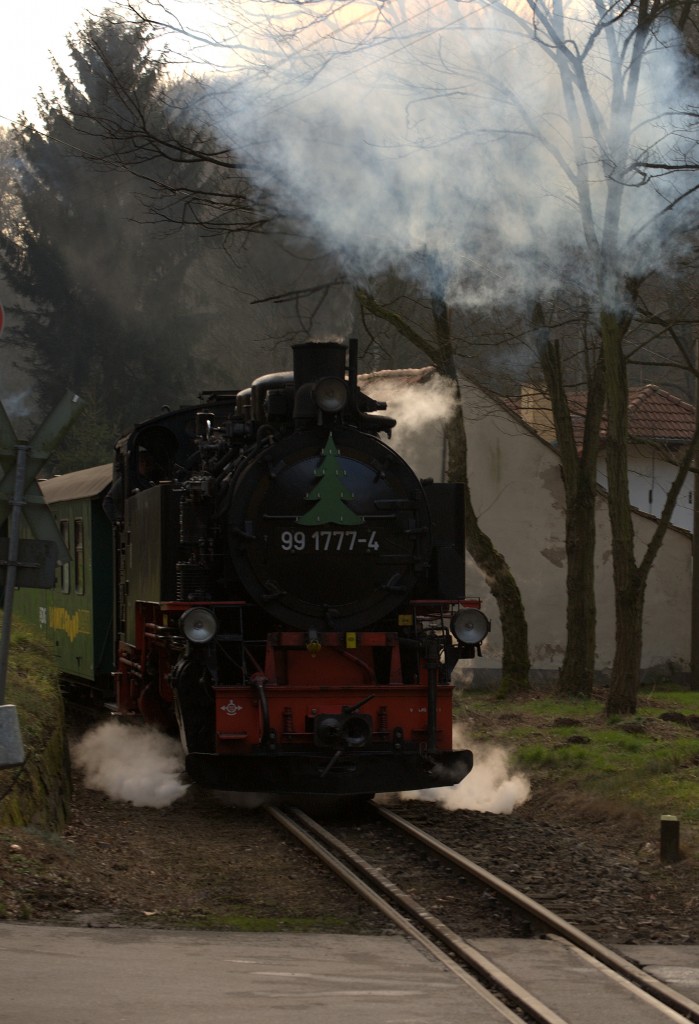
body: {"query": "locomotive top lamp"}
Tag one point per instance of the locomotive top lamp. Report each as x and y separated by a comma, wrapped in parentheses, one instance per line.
(330, 394)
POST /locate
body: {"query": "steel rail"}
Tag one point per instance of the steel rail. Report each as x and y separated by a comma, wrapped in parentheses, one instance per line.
(317, 840)
(687, 1008)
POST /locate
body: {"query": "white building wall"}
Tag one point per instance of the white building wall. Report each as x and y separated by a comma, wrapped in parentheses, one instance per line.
(518, 496)
(650, 478)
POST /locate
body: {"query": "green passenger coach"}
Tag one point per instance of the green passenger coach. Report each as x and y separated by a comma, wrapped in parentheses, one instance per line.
(77, 613)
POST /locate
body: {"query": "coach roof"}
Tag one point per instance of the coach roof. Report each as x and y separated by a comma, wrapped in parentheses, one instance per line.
(84, 483)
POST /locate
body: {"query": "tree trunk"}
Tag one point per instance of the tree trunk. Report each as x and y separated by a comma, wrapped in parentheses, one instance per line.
(626, 669)
(630, 578)
(579, 473)
(577, 673)
(501, 582)
(628, 591)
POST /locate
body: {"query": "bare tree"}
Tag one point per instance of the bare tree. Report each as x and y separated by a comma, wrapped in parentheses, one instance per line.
(441, 349)
(579, 473)
(627, 36)
(525, 146)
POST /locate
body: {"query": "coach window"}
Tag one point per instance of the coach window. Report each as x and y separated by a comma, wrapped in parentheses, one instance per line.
(79, 557)
(65, 568)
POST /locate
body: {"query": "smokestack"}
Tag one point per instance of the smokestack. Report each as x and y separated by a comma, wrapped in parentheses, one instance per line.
(314, 360)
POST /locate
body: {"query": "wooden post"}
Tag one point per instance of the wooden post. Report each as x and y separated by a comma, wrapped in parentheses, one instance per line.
(669, 839)
(694, 617)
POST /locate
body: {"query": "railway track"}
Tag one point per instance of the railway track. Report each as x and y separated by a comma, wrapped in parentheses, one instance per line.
(514, 983)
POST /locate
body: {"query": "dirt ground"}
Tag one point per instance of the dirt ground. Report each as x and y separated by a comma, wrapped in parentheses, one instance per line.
(194, 863)
(201, 863)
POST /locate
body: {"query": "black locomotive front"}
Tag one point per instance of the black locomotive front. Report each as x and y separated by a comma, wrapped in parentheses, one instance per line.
(340, 554)
(288, 593)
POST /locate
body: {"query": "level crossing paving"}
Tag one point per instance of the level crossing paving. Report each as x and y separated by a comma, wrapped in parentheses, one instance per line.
(115, 975)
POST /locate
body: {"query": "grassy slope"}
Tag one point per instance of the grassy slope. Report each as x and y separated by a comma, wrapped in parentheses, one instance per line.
(644, 765)
(39, 790)
(32, 682)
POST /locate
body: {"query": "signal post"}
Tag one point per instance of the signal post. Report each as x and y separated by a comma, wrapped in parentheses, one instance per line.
(28, 563)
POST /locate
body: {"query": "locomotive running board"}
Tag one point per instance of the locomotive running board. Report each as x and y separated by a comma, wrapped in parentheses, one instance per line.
(369, 772)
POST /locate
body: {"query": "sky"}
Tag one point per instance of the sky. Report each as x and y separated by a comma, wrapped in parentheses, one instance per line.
(32, 29)
(36, 29)
(435, 164)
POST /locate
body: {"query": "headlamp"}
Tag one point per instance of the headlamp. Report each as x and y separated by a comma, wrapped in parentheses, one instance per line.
(469, 625)
(199, 625)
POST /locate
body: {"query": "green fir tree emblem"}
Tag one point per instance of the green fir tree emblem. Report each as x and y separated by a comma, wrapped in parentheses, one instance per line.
(329, 494)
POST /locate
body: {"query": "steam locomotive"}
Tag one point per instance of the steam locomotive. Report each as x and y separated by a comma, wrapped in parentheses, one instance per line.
(289, 596)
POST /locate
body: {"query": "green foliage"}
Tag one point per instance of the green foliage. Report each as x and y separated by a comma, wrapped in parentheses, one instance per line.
(90, 441)
(39, 790)
(105, 305)
(32, 682)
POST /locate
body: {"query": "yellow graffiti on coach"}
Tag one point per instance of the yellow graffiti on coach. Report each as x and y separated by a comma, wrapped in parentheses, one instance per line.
(73, 624)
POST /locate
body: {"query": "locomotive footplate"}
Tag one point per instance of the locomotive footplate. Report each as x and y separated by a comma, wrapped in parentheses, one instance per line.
(372, 772)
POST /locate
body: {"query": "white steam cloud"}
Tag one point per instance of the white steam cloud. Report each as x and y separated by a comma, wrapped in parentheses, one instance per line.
(482, 148)
(490, 786)
(420, 414)
(131, 763)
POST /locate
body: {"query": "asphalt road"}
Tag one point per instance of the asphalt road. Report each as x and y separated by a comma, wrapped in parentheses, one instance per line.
(51, 975)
